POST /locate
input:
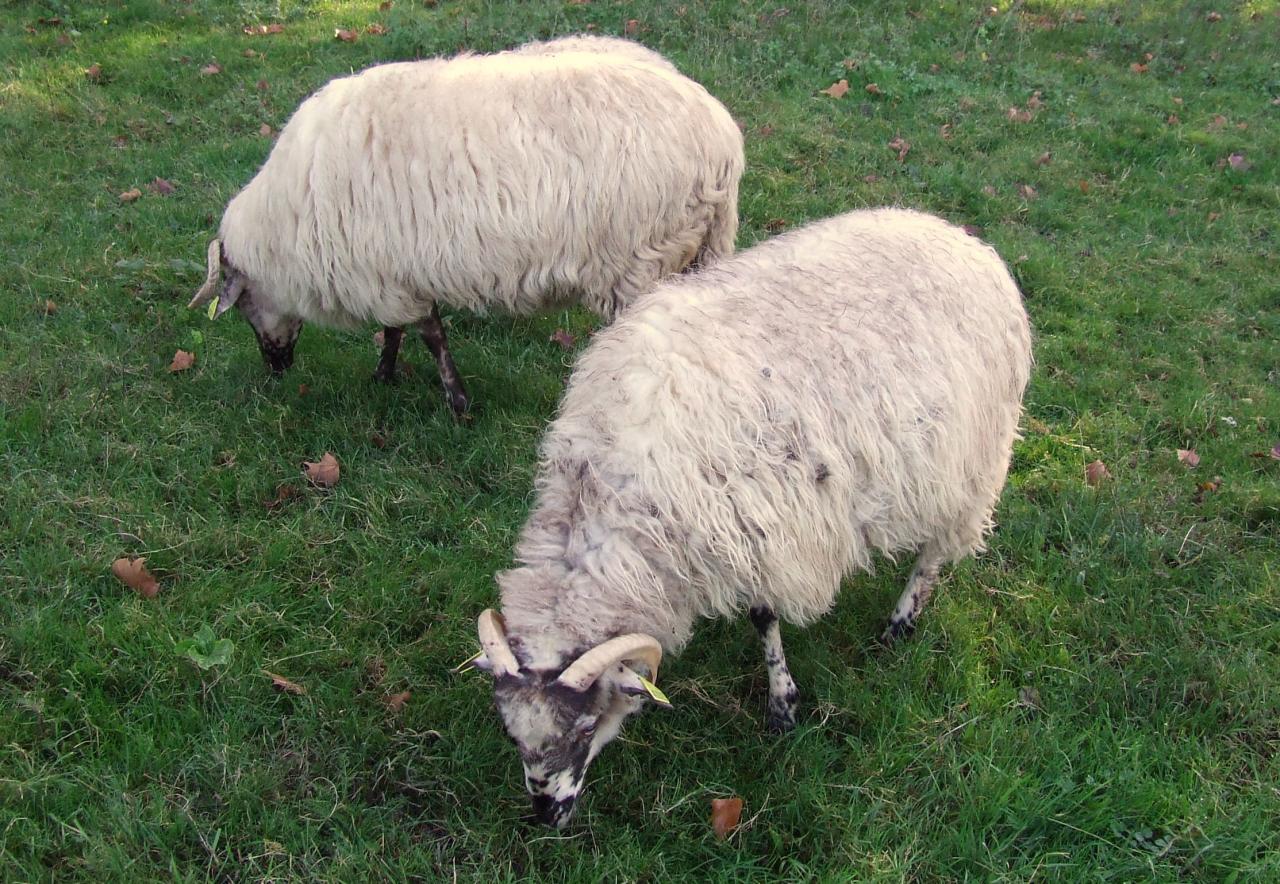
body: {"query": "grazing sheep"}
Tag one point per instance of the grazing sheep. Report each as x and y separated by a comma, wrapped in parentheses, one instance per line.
(744, 438)
(514, 181)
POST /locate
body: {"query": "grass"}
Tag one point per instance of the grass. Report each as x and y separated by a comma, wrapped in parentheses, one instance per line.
(1093, 699)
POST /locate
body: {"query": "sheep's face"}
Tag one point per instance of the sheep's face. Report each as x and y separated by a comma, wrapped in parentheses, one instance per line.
(559, 731)
(277, 332)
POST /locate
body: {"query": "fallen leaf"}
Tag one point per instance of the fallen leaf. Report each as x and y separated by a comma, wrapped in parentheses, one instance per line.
(1213, 216)
(1084, 186)
(324, 472)
(134, 574)
(376, 29)
(282, 684)
(871, 178)
(765, 131)
(1138, 68)
(48, 308)
(266, 131)
(1034, 102)
(395, 702)
(945, 131)
(1275, 451)
(1018, 115)
(850, 64)
(563, 338)
(873, 89)
(1027, 192)
(249, 53)
(130, 195)
(1212, 485)
(261, 30)
(632, 27)
(775, 225)
(1177, 100)
(303, 389)
(1213, 17)
(182, 360)
(94, 73)
(1172, 119)
(263, 86)
(284, 494)
(1096, 473)
(1044, 159)
(1238, 162)
(901, 145)
(1189, 457)
(1029, 697)
(1217, 122)
(345, 36)
(1037, 426)
(161, 186)
(379, 339)
(378, 440)
(384, 5)
(836, 89)
(989, 190)
(725, 814)
(210, 69)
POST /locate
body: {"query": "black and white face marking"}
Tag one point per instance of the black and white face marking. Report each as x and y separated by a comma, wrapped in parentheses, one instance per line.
(559, 731)
(277, 332)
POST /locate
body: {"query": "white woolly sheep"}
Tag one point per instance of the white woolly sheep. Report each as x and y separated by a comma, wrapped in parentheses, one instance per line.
(573, 170)
(744, 438)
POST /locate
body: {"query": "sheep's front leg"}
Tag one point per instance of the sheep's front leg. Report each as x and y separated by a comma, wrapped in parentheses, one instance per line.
(902, 622)
(433, 333)
(782, 689)
(386, 370)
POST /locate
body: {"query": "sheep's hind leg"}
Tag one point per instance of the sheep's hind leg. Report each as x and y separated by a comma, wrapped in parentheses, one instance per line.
(386, 370)
(782, 689)
(433, 333)
(902, 622)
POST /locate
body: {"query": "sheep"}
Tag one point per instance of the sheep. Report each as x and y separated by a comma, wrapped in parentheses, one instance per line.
(572, 170)
(744, 438)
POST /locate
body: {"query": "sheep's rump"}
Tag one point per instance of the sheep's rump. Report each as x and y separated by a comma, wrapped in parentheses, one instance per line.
(756, 431)
(514, 180)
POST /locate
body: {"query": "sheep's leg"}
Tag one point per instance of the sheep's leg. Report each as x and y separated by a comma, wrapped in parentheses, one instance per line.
(386, 370)
(902, 622)
(433, 334)
(782, 689)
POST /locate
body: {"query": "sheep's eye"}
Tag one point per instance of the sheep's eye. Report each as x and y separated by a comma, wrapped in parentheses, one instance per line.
(587, 728)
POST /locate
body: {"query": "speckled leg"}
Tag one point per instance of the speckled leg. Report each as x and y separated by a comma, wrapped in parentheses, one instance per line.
(386, 370)
(902, 622)
(433, 333)
(782, 689)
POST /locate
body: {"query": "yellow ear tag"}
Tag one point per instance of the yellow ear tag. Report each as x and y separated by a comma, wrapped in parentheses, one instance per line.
(468, 664)
(212, 312)
(653, 690)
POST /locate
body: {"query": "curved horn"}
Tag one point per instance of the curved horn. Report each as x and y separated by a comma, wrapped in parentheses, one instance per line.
(637, 646)
(493, 638)
(210, 287)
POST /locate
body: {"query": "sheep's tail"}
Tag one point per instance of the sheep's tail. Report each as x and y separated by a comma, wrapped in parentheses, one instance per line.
(212, 275)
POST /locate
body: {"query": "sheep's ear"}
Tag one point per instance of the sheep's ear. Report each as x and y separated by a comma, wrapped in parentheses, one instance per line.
(635, 685)
(231, 291)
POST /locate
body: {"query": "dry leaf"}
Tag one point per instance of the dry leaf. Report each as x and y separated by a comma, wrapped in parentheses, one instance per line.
(563, 338)
(989, 190)
(1018, 115)
(1027, 192)
(1044, 159)
(901, 145)
(48, 308)
(282, 684)
(1189, 457)
(249, 53)
(1084, 186)
(871, 178)
(130, 195)
(210, 69)
(1217, 122)
(384, 5)
(376, 29)
(379, 339)
(1096, 473)
(263, 85)
(945, 131)
(1172, 119)
(378, 440)
(260, 30)
(873, 89)
(1238, 162)
(284, 494)
(775, 225)
(1035, 425)
(632, 27)
(303, 389)
(161, 186)
(182, 360)
(725, 813)
(324, 472)
(850, 64)
(93, 72)
(395, 702)
(836, 89)
(1275, 451)
(1034, 103)
(1138, 68)
(266, 131)
(1213, 216)
(134, 574)
(345, 36)
(1213, 17)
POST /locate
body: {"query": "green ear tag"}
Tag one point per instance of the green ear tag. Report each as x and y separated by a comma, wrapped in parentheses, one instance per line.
(468, 664)
(212, 312)
(654, 692)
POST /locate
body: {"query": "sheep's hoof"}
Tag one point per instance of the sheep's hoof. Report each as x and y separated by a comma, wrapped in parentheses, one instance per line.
(897, 629)
(384, 375)
(460, 405)
(780, 721)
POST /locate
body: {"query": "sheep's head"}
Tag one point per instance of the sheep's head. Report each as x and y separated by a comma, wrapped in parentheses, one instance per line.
(277, 330)
(561, 718)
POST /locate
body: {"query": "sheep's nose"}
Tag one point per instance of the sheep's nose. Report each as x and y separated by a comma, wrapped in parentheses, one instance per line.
(550, 812)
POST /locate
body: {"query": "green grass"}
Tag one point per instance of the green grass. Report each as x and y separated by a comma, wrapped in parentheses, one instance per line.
(1142, 617)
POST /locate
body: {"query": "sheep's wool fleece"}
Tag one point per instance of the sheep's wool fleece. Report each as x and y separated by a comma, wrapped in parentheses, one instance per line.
(751, 434)
(516, 180)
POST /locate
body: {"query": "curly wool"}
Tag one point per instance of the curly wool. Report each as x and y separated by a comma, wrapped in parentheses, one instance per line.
(517, 180)
(752, 434)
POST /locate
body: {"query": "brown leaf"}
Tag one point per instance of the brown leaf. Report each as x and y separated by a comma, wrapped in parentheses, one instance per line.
(161, 186)
(632, 27)
(263, 86)
(850, 64)
(1034, 102)
(266, 131)
(836, 89)
(282, 684)
(1212, 485)
(324, 472)
(379, 339)
(249, 53)
(1084, 186)
(873, 89)
(1138, 68)
(901, 145)
(94, 73)
(1035, 425)
(1213, 216)
(989, 190)
(262, 30)
(871, 178)
(378, 440)
(1044, 159)
(395, 702)
(725, 814)
(210, 69)
(48, 308)
(182, 360)
(945, 131)
(1275, 451)
(284, 494)
(376, 29)
(384, 5)
(134, 574)
(765, 131)
(1172, 119)
(1238, 162)
(1096, 473)
(1018, 115)
(303, 389)
(1213, 17)
(1217, 122)
(1189, 457)
(345, 35)
(775, 225)
(130, 195)
(563, 338)
(1027, 192)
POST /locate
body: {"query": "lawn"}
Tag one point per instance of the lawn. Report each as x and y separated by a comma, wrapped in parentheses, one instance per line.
(1095, 698)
